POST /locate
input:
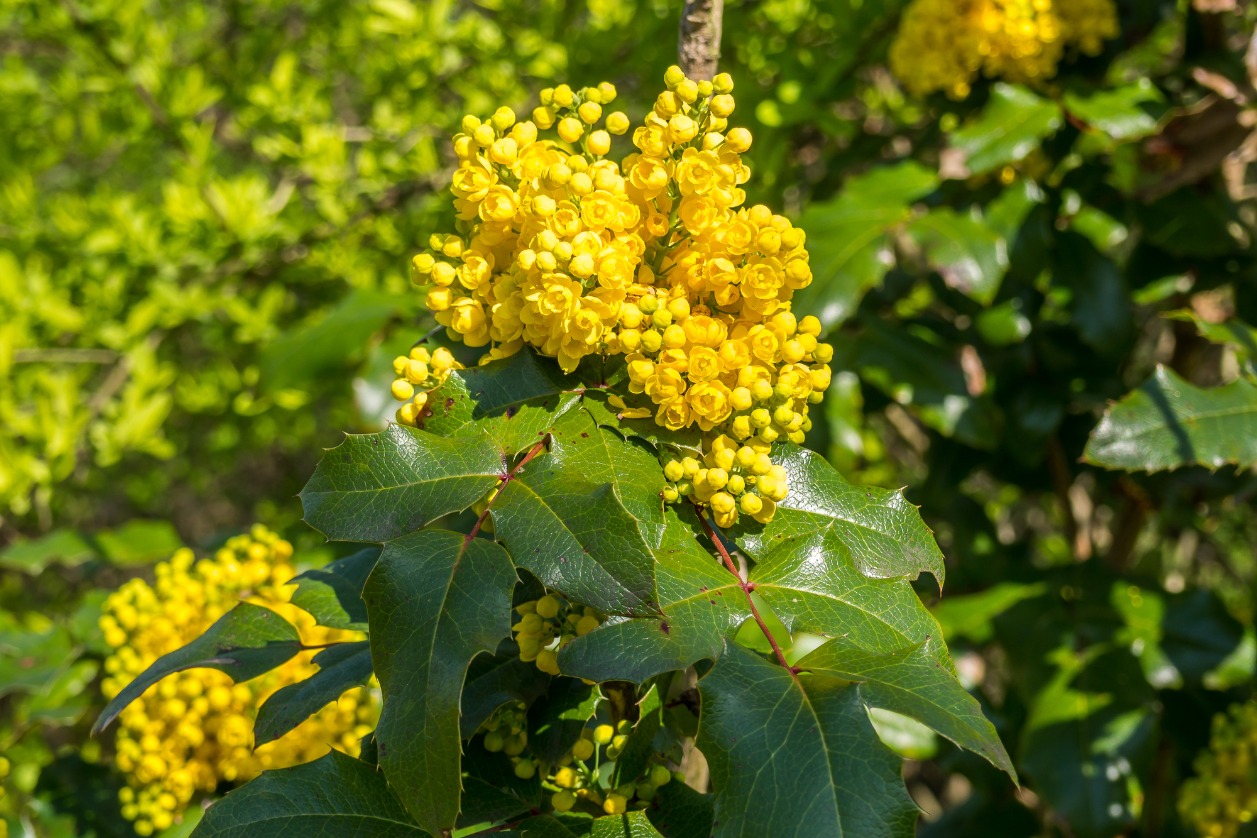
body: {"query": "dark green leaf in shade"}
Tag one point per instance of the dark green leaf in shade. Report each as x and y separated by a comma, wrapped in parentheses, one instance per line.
(795, 760)
(910, 682)
(966, 252)
(491, 791)
(244, 643)
(1087, 743)
(1010, 127)
(333, 594)
(922, 374)
(435, 600)
(701, 605)
(331, 797)
(635, 755)
(586, 516)
(847, 237)
(628, 825)
(556, 720)
(1168, 423)
(878, 531)
(679, 811)
(341, 668)
(970, 616)
(1100, 306)
(493, 681)
(373, 487)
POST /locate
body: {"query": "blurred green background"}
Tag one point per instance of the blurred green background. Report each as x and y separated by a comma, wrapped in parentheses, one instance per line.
(206, 218)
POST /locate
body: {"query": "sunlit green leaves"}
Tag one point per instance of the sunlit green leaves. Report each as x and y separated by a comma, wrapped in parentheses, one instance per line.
(374, 487)
(335, 795)
(969, 255)
(797, 759)
(435, 601)
(1168, 423)
(1011, 126)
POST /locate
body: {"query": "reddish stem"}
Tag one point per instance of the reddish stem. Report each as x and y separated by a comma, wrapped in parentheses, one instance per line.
(506, 478)
(746, 587)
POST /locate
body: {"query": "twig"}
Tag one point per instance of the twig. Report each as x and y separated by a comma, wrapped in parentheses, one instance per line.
(747, 588)
(699, 44)
(506, 478)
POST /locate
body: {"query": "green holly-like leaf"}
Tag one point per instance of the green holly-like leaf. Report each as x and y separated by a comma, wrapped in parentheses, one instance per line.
(493, 681)
(585, 517)
(491, 791)
(435, 600)
(244, 643)
(848, 238)
(373, 487)
(515, 401)
(795, 758)
(909, 681)
(332, 796)
(1010, 127)
(679, 811)
(341, 668)
(875, 530)
(700, 603)
(1168, 423)
(333, 594)
(629, 825)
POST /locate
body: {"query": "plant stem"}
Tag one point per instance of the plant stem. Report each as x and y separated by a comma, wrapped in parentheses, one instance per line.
(537, 448)
(699, 44)
(746, 587)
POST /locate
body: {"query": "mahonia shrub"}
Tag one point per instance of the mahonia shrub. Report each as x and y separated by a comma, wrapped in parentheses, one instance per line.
(613, 593)
(943, 45)
(194, 730)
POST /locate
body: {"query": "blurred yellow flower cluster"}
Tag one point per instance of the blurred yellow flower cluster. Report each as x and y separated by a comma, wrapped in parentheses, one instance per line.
(653, 257)
(1222, 796)
(193, 730)
(419, 373)
(944, 44)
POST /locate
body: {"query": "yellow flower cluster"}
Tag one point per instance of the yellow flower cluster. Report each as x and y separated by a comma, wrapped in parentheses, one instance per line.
(193, 730)
(548, 624)
(575, 779)
(506, 731)
(653, 257)
(418, 374)
(1222, 796)
(732, 478)
(945, 44)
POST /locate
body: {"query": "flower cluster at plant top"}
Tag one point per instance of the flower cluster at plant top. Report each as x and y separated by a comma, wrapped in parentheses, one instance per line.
(565, 250)
(944, 44)
(580, 775)
(194, 729)
(1222, 796)
(548, 624)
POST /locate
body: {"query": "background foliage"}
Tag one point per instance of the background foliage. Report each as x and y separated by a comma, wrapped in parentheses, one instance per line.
(206, 213)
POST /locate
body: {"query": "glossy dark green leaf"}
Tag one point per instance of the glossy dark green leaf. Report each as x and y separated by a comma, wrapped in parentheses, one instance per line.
(435, 600)
(966, 252)
(1012, 125)
(341, 668)
(332, 796)
(679, 811)
(848, 241)
(909, 681)
(515, 401)
(876, 530)
(1168, 423)
(374, 487)
(491, 791)
(701, 605)
(628, 825)
(333, 594)
(796, 760)
(493, 681)
(244, 643)
(1100, 305)
(556, 720)
(586, 516)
